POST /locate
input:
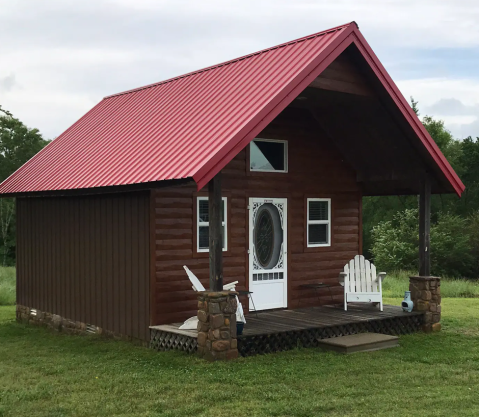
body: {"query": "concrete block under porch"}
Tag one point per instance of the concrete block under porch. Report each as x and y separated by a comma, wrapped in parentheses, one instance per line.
(280, 330)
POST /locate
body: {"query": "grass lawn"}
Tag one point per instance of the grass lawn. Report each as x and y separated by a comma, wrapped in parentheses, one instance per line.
(48, 374)
(397, 282)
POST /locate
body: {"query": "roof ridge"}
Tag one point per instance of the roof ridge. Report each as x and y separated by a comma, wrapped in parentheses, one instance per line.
(231, 61)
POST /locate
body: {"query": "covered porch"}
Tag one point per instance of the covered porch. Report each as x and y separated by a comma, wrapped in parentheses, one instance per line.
(280, 330)
(376, 147)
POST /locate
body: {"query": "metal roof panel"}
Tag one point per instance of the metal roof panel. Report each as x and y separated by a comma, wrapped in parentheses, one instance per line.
(185, 127)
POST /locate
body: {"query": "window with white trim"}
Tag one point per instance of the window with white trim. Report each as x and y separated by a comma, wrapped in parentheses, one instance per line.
(319, 222)
(268, 155)
(203, 224)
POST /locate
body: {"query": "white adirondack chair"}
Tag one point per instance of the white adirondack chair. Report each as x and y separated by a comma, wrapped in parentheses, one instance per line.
(192, 322)
(360, 282)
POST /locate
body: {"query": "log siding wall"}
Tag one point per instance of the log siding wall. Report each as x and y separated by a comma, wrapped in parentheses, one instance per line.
(315, 169)
(87, 259)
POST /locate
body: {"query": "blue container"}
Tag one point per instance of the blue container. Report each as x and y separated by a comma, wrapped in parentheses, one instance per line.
(407, 304)
(239, 328)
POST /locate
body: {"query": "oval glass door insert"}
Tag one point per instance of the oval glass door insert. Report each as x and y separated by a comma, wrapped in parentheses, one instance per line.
(264, 238)
(267, 236)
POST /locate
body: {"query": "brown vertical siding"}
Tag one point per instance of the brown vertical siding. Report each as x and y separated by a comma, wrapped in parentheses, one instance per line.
(87, 259)
(316, 169)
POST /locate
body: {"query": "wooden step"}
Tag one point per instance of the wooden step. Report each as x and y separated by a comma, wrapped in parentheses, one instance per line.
(361, 342)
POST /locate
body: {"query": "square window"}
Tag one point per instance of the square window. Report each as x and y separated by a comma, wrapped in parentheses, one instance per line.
(203, 210)
(203, 227)
(203, 237)
(318, 222)
(318, 234)
(318, 210)
(269, 155)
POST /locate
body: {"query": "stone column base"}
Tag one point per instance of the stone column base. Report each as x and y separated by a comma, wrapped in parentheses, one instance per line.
(217, 325)
(426, 296)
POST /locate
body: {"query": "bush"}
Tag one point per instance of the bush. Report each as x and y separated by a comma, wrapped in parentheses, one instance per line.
(451, 251)
(7, 286)
(453, 242)
(395, 243)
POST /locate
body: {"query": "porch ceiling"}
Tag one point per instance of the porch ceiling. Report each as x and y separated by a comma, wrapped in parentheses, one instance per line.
(371, 134)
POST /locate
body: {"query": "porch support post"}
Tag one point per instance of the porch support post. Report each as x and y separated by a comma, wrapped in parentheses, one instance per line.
(425, 227)
(426, 290)
(215, 241)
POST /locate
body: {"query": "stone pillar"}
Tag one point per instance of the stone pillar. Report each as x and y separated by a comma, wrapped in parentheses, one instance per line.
(217, 325)
(426, 295)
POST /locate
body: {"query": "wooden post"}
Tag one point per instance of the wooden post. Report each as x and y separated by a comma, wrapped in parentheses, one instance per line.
(425, 228)
(216, 244)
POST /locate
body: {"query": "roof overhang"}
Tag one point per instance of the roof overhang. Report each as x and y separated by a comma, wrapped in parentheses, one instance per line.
(348, 37)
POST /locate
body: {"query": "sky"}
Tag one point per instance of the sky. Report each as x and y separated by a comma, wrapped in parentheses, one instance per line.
(58, 58)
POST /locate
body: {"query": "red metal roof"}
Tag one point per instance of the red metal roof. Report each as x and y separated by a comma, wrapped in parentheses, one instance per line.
(191, 126)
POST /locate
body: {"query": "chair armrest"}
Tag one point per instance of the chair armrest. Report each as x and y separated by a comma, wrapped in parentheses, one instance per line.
(342, 277)
(381, 276)
(230, 287)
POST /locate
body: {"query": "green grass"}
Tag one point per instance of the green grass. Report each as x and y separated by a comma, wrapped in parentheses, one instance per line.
(52, 374)
(397, 282)
(49, 374)
(7, 286)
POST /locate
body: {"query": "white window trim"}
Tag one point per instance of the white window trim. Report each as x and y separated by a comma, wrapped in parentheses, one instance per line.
(309, 222)
(285, 171)
(199, 224)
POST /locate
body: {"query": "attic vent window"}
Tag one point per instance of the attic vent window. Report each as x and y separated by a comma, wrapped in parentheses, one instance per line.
(268, 155)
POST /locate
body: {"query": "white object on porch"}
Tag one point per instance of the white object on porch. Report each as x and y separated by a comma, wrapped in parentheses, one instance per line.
(192, 322)
(360, 282)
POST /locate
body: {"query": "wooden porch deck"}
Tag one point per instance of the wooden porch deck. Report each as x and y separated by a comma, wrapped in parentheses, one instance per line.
(280, 330)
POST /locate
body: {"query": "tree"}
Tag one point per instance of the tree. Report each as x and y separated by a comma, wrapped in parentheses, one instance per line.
(376, 209)
(18, 144)
(469, 160)
(395, 244)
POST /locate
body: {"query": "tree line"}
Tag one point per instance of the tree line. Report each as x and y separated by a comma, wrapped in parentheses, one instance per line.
(18, 144)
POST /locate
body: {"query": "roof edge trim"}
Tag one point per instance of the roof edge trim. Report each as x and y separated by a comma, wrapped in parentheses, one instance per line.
(106, 189)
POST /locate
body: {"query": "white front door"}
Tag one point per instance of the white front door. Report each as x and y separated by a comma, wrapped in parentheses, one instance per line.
(268, 253)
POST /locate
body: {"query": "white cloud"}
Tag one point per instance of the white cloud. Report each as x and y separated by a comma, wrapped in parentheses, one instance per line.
(412, 23)
(430, 90)
(65, 56)
(7, 83)
(437, 98)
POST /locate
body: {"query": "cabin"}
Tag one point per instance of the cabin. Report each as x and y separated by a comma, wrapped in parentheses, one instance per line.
(275, 149)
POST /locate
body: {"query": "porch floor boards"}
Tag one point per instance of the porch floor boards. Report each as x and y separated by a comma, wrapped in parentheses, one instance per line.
(279, 330)
(316, 317)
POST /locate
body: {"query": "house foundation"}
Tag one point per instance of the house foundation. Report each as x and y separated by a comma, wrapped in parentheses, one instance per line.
(58, 323)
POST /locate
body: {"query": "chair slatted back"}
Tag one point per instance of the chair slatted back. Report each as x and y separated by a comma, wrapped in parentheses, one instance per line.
(361, 275)
(197, 286)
